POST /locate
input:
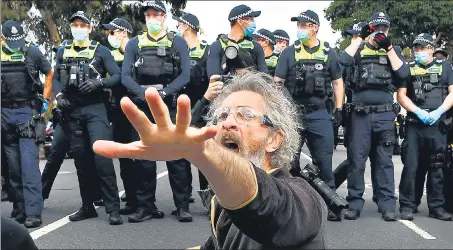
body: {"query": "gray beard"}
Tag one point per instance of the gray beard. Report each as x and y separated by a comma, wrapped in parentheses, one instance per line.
(257, 158)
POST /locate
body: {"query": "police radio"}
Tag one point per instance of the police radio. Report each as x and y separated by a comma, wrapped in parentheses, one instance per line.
(72, 76)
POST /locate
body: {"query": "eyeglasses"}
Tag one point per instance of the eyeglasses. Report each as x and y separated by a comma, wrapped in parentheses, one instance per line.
(242, 115)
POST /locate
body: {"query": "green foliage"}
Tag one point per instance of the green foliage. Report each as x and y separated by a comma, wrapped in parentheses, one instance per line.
(408, 18)
(52, 27)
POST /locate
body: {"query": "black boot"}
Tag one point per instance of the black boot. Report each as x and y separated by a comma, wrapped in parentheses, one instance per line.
(183, 215)
(352, 214)
(156, 213)
(18, 213)
(4, 195)
(126, 210)
(333, 217)
(115, 218)
(33, 221)
(440, 214)
(389, 216)
(85, 212)
(406, 213)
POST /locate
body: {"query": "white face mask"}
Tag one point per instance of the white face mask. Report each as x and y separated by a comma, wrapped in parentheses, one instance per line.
(80, 34)
(114, 41)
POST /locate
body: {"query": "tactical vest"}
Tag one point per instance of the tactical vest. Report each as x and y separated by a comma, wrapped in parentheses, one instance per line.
(246, 45)
(271, 63)
(17, 81)
(118, 57)
(425, 90)
(312, 76)
(375, 70)
(198, 63)
(158, 61)
(76, 66)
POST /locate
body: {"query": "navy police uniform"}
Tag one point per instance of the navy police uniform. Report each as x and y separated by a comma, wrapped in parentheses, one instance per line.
(164, 64)
(270, 59)
(122, 128)
(216, 58)
(21, 63)
(308, 73)
(424, 145)
(83, 113)
(373, 128)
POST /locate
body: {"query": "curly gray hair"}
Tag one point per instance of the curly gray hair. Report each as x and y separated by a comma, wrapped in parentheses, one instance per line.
(280, 109)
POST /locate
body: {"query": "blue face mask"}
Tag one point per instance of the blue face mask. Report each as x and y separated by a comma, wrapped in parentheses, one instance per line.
(79, 34)
(422, 57)
(250, 29)
(154, 26)
(302, 35)
(276, 51)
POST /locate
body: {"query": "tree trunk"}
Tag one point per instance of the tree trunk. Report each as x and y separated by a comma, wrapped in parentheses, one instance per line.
(48, 20)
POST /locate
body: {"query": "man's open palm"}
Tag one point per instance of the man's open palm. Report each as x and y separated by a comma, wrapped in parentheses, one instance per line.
(162, 141)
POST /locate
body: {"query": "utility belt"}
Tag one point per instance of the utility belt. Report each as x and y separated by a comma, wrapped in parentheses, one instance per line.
(369, 109)
(310, 108)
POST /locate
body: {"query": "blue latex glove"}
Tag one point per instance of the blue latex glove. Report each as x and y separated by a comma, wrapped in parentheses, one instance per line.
(45, 106)
(423, 115)
(435, 115)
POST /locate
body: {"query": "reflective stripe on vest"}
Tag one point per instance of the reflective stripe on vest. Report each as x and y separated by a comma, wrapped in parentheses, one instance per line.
(418, 71)
(18, 56)
(198, 52)
(370, 52)
(319, 55)
(143, 41)
(117, 55)
(87, 53)
(271, 61)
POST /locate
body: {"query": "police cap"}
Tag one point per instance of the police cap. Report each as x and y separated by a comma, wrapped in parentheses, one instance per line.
(14, 34)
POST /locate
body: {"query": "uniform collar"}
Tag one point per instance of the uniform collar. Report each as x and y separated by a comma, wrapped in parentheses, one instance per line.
(427, 65)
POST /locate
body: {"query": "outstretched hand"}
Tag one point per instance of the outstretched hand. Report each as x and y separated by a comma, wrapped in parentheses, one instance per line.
(162, 140)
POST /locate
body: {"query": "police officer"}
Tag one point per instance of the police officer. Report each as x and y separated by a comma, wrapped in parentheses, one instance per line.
(79, 80)
(441, 54)
(21, 109)
(281, 41)
(120, 32)
(426, 95)
(242, 22)
(161, 59)
(380, 67)
(340, 173)
(307, 69)
(188, 27)
(267, 41)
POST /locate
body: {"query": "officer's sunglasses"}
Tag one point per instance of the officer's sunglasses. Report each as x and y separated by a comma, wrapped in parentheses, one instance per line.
(242, 115)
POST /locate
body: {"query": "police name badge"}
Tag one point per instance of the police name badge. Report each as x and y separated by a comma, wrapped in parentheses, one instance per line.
(319, 66)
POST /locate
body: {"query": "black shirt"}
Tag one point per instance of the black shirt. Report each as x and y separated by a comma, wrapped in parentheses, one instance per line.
(15, 236)
(103, 63)
(372, 96)
(286, 213)
(287, 65)
(445, 79)
(216, 54)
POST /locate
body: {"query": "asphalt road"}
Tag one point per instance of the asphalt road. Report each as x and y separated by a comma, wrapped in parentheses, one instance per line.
(368, 232)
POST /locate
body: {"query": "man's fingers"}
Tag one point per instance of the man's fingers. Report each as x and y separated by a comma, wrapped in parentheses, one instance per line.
(112, 149)
(158, 109)
(183, 114)
(137, 118)
(206, 133)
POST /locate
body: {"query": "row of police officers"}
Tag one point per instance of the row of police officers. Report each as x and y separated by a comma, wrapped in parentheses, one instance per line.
(89, 82)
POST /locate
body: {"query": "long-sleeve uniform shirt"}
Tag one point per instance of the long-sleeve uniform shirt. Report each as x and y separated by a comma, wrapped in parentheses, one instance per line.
(131, 56)
(285, 213)
(216, 54)
(372, 96)
(103, 62)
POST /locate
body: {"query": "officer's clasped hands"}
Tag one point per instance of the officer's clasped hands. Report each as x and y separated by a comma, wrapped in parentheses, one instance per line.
(90, 85)
(214, 89)
(423, 115)
(435, 115)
